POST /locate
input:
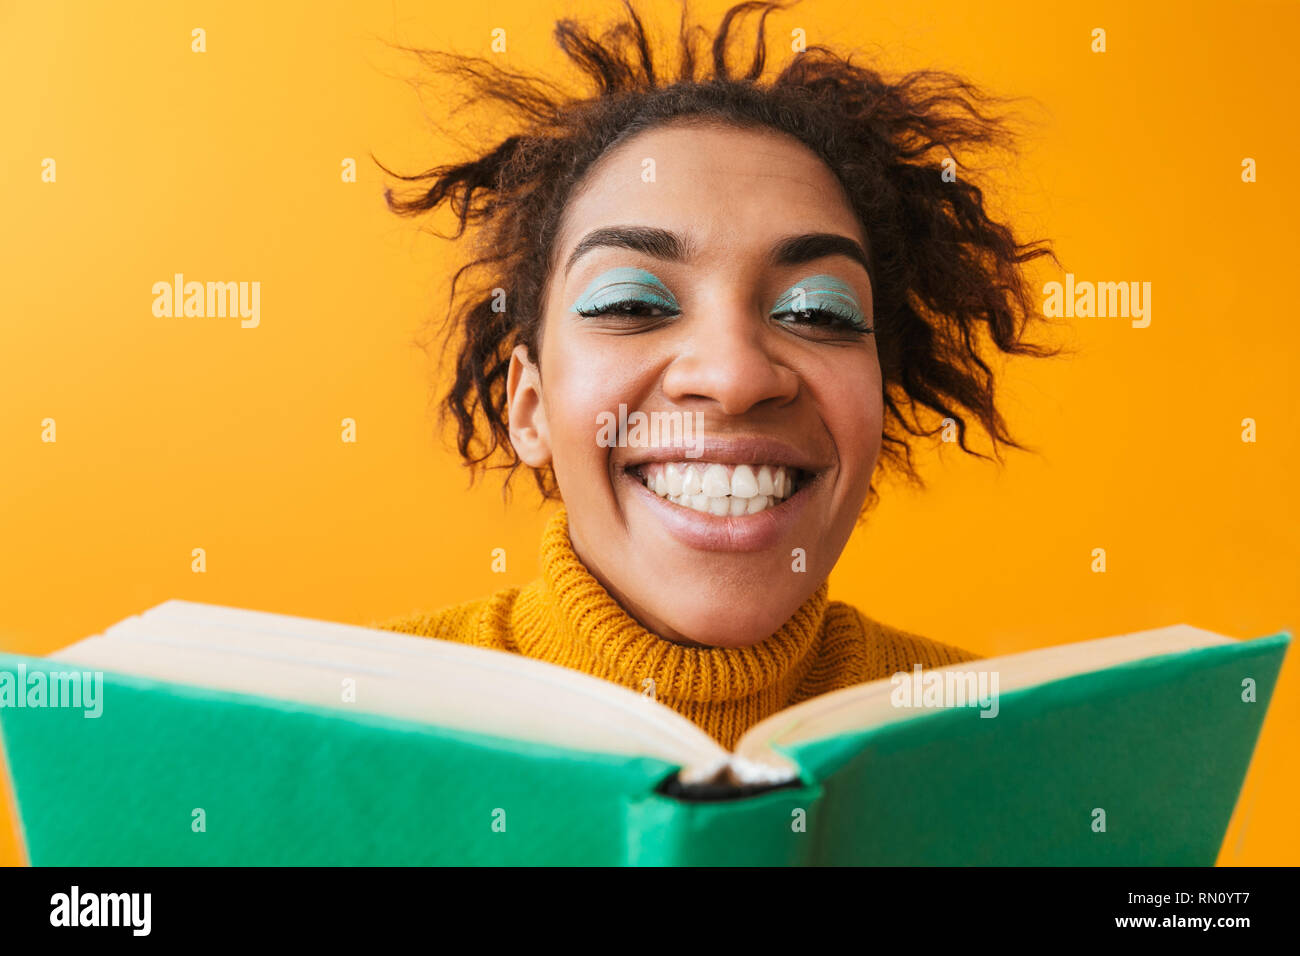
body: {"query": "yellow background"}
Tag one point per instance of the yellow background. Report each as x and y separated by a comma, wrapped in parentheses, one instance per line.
(183, 433)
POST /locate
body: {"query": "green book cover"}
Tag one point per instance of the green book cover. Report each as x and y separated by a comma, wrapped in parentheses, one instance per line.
(1155, 751)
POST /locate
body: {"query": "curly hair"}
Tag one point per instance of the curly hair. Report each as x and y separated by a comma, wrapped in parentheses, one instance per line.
(946, 279)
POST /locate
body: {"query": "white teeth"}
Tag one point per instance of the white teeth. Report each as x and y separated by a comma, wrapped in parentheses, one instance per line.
(691, 483)
(673, 475)
(717, 484)
(718, 489)
(743, 483)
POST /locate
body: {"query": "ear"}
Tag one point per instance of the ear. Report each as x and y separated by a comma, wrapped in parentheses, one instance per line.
(526, 413)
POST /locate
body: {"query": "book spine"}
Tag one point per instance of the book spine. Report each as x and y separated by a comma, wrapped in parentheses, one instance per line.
(774, 828)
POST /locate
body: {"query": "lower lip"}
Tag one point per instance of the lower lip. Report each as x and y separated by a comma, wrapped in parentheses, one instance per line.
(710, 532)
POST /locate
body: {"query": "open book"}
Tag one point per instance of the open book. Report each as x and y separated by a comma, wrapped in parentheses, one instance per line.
(198, 734)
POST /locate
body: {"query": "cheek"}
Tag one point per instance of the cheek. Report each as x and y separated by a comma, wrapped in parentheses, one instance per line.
(853, 411)
(581, 381)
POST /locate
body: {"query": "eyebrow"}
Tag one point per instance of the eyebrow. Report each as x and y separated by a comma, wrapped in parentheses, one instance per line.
(671, 247)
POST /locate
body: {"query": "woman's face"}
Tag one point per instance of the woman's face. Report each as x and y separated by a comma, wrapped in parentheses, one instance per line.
(683, 285)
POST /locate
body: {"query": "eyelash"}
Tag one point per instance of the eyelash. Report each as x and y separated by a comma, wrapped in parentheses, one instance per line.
(612, 308)
(833, 320)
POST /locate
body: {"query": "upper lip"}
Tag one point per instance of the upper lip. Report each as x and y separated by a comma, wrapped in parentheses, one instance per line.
(738, 450)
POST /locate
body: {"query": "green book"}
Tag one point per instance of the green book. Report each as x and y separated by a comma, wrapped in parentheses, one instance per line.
(193, 734)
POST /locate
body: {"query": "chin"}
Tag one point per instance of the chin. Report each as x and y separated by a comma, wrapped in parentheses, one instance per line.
(716, 619)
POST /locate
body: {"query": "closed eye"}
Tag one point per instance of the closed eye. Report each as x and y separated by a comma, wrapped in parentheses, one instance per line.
(630, 309)
(824, 318)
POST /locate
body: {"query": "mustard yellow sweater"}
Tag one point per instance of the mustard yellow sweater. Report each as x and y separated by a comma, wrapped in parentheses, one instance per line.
(566, 617)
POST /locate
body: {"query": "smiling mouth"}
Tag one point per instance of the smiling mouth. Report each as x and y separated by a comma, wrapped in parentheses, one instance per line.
(720, 489)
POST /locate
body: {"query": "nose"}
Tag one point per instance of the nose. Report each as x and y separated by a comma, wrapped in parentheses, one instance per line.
(727, 357)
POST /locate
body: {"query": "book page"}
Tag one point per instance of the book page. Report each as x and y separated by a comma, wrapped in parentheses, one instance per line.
(399, 675)
(871, 704)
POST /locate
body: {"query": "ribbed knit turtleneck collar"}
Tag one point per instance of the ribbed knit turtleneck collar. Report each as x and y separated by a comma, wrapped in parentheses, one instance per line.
(581, 625)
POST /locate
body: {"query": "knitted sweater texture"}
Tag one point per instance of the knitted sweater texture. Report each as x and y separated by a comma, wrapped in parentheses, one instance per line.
(567, 617)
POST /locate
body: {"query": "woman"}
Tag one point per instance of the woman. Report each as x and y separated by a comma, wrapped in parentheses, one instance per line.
(783, 270)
